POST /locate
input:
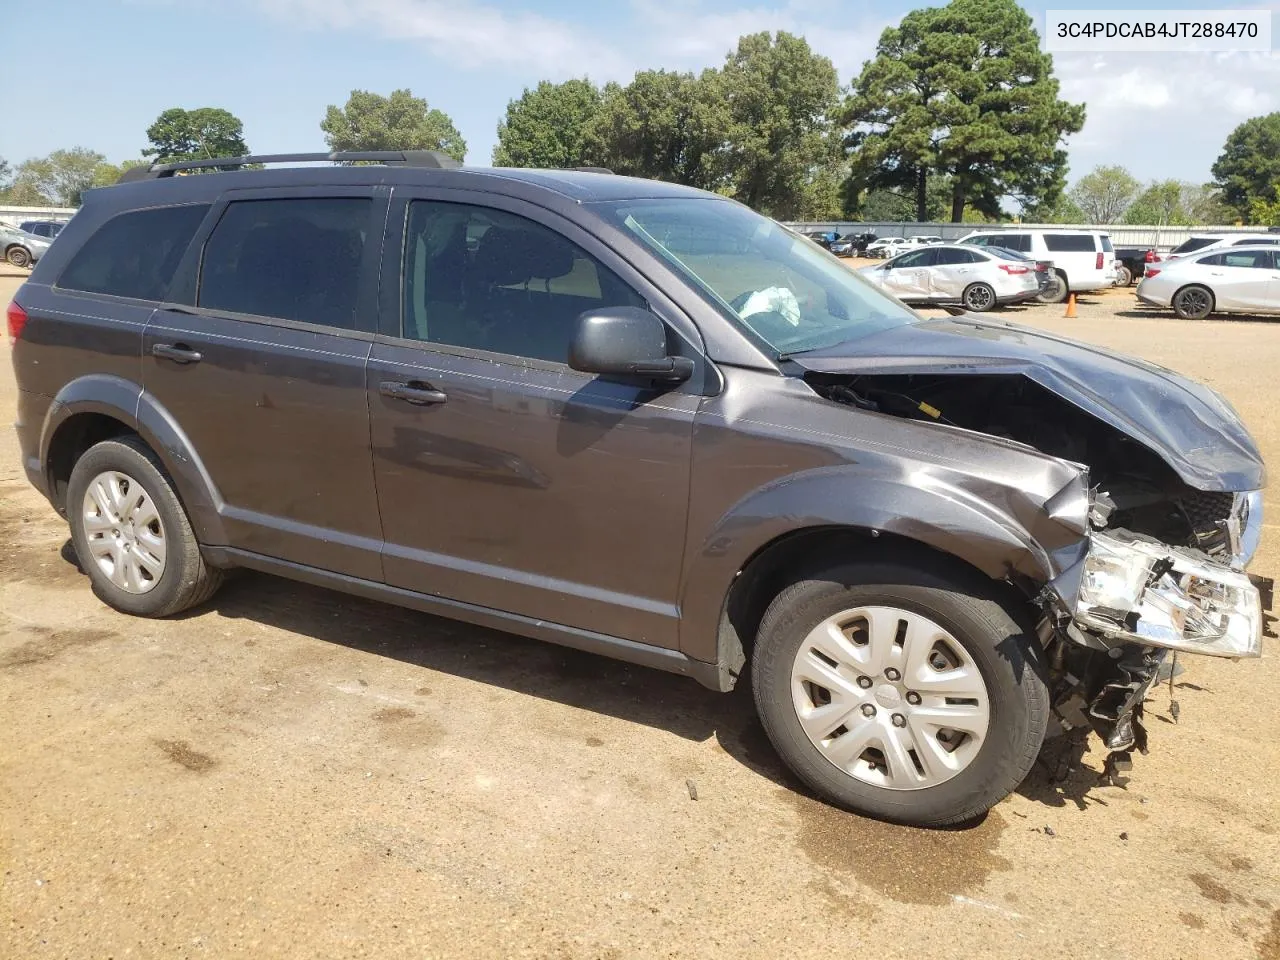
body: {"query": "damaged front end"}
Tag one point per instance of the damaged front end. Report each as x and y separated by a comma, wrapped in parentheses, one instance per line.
(1168, 535)
(1112, 621)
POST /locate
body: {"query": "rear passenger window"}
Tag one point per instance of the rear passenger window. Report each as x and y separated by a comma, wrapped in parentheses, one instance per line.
(292, 259)
(1068, 243)
(1106, 244)
(134, 254)
(490, 280)
(949, 257)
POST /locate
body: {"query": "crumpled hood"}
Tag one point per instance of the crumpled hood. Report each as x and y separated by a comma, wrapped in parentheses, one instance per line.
(1192, 427)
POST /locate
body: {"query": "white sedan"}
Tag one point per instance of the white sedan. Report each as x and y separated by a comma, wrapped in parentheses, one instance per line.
(978, 278)
(892, 246)
(1231, 280)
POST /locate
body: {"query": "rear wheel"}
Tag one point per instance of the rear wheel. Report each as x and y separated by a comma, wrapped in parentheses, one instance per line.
(1193, 303)
(900, 692)
(978, 297)
(1057, 290)
(1124, 276)
(131, 533)
(18, 256)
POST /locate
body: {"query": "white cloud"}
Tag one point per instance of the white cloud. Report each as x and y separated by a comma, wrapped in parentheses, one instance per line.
(1163, 115)
(471, 35)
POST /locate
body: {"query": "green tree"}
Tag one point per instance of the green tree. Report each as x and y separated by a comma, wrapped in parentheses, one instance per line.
(1249, 166)
(547, 126)
(884, 204)
(1160, 204)
(1266, 212)
(1061, 210)
(783, 151)
(5, 173)
(965, 91)
(398, 122)
(107, 174)
(661, 125)
(58, 179)
(1104, 194)
(1204, 204)
(199, 134)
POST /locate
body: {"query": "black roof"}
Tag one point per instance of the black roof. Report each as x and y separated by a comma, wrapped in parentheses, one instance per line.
(586, 185)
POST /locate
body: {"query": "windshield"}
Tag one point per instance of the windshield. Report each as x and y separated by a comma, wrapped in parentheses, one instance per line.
(784, 290)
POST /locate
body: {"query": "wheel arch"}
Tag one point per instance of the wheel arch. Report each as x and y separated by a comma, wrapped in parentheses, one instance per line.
(98, 407)
(1030, 541)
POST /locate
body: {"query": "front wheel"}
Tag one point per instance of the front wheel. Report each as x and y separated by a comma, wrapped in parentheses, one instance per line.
(900, 691)
(18, 256)
(1193, 303)
(978, 297)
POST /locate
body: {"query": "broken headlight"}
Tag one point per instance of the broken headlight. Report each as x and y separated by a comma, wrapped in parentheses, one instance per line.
(1164, 596)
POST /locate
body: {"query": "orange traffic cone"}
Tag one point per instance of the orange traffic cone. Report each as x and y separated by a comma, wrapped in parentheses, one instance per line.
(1071, 306)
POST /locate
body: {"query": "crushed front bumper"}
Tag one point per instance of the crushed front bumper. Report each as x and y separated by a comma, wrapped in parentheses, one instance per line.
(1114, 618)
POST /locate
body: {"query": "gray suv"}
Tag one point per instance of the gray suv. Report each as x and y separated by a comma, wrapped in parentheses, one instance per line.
(640, 420)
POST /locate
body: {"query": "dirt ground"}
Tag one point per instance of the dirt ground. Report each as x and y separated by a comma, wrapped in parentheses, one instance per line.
(296, 773)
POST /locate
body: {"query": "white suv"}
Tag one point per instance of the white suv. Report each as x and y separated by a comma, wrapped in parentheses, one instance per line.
(1082, 259)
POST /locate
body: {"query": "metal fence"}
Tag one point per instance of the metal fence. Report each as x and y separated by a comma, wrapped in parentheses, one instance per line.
(1122, 235)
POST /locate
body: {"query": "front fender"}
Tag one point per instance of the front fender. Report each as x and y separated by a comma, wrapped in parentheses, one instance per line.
(1004, 531)
(128, 403)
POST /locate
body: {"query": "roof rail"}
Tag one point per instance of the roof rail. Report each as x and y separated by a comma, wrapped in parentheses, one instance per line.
(409, 158)
(591, 170)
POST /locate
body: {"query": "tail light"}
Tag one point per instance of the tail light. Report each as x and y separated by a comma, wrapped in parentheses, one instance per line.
(1010, 268)
(1149, 272)
(1098, 266)
(1151, 257)
(17, 320)
(1042, 266)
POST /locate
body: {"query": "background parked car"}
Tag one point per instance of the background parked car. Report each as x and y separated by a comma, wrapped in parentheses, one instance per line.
(860, 242)
(1131, 263)
(1209, 242)
(21, 249)
(42, 228)
(978, 278)
(892, 246)
(1082, 259)
(1230, 280)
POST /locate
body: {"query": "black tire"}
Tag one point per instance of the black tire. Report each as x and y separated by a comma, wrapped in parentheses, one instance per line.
(1124, 276)
(978, 297)
(1058, 289)
(18, 256)
(186, 580)
(994, 632)
(1193, 302)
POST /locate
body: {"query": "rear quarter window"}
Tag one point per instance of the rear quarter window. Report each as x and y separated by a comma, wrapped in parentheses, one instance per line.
(1194, 244)
(1068, 243)
(1106, 244)
(134, 254)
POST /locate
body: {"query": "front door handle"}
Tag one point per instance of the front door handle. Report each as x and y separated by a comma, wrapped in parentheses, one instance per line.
(177, 352)
(415, 392)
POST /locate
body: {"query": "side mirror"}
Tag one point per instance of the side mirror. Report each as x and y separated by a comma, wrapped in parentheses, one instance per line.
(625, 342)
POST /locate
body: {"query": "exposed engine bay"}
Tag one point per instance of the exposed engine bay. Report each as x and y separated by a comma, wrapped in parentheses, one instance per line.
(1165, 566)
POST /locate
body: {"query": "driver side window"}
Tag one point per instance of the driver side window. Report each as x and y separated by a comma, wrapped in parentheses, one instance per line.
(484, 279)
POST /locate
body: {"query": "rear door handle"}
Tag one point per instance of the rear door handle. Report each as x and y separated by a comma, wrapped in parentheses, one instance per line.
(418, 393)
(177, 352)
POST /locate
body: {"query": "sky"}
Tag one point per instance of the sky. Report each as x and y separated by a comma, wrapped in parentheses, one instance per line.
(96, 73)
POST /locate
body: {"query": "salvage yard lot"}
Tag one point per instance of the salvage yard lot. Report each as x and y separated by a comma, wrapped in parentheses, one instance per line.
(291, 772)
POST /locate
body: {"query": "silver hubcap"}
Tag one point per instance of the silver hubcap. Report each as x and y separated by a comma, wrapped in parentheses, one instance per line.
(124, 533)
(890, 697)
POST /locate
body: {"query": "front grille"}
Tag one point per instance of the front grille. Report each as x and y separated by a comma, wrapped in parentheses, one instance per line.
(1207, 513)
